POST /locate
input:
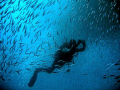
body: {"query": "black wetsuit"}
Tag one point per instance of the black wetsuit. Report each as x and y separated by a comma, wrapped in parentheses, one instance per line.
(61, 57)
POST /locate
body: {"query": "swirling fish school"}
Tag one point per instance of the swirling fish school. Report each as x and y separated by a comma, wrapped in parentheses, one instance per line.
(31, 31)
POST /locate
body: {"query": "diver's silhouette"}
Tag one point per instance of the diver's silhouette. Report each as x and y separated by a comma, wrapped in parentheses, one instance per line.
(62, 56)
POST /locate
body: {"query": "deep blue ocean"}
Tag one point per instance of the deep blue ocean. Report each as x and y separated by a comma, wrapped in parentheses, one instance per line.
(32, 31)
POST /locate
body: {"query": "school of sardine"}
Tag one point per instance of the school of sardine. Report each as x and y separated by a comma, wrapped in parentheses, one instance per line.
(28, 30)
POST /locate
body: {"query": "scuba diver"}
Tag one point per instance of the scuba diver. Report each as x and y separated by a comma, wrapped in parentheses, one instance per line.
(62, 56)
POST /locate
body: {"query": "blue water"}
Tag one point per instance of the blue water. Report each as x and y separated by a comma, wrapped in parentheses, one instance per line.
(31, 31)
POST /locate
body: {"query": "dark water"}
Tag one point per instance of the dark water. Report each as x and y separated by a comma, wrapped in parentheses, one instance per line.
(31, 31)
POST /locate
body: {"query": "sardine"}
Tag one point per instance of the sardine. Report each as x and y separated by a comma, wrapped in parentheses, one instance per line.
(28, 69)
(117, 64)
(18, 71)
(117, 77)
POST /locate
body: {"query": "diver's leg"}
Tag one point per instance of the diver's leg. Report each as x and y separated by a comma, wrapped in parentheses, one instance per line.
(33, 79)
(37, 70)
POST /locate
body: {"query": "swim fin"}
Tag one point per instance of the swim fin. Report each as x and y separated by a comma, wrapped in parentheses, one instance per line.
(33, 79)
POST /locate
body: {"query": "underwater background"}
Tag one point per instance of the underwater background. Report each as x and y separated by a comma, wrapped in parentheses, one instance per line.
(31, 31)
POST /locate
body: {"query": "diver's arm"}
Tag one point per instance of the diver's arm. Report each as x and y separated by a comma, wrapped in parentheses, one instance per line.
(83, 48)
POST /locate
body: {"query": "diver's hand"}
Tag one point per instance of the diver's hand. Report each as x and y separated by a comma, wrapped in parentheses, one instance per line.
(80, 41)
